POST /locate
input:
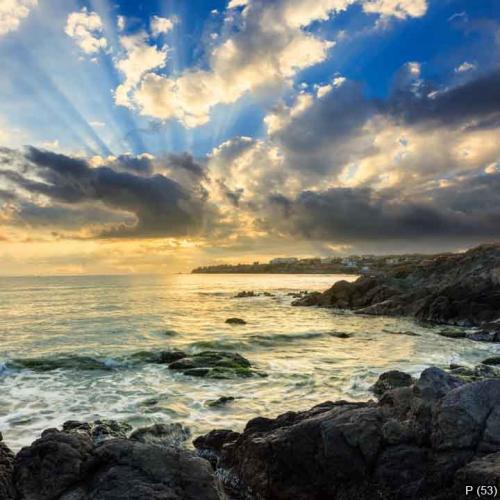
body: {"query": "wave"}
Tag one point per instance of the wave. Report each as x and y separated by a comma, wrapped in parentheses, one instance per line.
(219, 345)
(284, 338)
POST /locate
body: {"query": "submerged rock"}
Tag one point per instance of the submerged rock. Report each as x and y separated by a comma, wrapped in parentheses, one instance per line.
(63, 465)
(236, 321)
(494, 360)
(245, 294)
(214, 364)
(459, 289)
(222, 401)
(425, 441)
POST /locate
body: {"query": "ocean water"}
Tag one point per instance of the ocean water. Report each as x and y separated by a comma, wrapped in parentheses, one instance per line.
(106, 319)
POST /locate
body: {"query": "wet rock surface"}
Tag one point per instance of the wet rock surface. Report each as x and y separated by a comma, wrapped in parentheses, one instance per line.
(426, 440)
(71, 465)
(458, 289)
(208, 364)
(7, 491)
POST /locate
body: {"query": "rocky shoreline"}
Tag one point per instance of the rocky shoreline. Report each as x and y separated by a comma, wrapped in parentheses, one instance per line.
(455, 289)
(422, 439)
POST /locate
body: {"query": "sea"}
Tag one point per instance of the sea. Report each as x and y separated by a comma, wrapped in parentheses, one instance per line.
(87, 328)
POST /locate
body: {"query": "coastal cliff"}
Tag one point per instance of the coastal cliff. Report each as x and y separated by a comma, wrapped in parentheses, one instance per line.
(459, 289)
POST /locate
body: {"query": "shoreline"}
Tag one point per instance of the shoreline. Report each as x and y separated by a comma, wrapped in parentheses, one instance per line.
(337, 450)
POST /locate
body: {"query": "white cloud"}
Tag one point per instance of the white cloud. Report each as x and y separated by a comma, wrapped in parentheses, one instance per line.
(464, 67)
(160, 25)
(266, 53)
(87, 29)
(400, 9)
(12, 12)
(140, 57)
(268, 48)
(121, 22)
(97, 124)
(237, 3)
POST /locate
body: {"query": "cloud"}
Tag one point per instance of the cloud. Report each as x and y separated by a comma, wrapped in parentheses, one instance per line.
(464, 67)
(161, 25)
(86, 28)
(400, 9)
(469, 209)
(160, 206)
(477, 99)
(140, 57)
(12, 12)
(265, 52)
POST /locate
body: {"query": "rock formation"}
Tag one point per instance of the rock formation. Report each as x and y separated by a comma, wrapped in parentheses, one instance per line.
(460, 289)
(424, 441)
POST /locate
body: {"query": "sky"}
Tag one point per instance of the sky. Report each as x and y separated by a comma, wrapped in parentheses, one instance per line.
(156, 136)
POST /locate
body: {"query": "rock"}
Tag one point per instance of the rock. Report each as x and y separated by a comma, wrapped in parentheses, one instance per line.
(236, 321)
(452, 334)
(483, 472)
(391, 380)
(7, 491)
(62, 465)
(223, 400)
(419, 442)
(162, 434)
(214, 364)
(245, 294)
(341, 335)
(457, 289)
(434, 383)
(479, 372)
(494, 360)
(51, 465)
(159, 357)
(99, 430)
(408, 333)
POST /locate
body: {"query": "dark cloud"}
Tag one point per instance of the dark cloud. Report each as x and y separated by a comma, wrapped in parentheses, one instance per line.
(186, 162)
(161, 206)
(142, 164)
(468, 209)
(477, 99)
(329, 123)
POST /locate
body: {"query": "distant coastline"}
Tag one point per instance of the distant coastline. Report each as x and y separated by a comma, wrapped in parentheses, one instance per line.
(354, 264)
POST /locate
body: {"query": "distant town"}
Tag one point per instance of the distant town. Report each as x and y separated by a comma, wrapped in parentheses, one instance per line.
(354, 264)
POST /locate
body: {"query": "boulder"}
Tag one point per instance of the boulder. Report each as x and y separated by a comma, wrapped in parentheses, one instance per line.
(214, 364)
(236, 321)
(7, 491)
(391, 380)
(424, 441)
(481, 475)
(99, 430)
(162, 434)
(69, 465)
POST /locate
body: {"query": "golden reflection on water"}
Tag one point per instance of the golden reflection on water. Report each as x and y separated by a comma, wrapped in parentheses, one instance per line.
(117, 315)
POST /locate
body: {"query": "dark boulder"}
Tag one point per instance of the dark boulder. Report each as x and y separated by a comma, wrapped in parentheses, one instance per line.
(69, 465)
(425, 441)
(99, 430)
(391, 380)
(174, 434)
(7, 491)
